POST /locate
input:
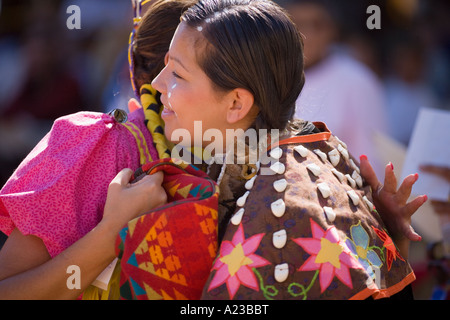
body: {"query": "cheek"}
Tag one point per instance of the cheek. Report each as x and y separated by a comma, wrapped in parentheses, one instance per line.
(181, 101)
(191, 105)
(171, 88)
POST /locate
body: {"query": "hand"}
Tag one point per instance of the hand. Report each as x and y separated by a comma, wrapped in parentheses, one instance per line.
(127, 201)
(391, 203)
(133, 105)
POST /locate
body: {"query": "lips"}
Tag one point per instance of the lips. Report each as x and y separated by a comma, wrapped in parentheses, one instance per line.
(167, 111)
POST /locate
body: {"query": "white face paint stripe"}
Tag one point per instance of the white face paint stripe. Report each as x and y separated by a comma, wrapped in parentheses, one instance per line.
(169, 95)
(168, 101)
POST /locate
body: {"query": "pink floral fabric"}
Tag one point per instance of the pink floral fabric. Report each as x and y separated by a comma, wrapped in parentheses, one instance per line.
(59, 191)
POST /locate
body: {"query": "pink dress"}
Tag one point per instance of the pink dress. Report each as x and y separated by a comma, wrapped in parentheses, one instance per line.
(59, 191)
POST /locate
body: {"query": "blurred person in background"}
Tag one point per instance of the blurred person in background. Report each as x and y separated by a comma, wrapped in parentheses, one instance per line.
(37, 84)
(438, 253)
(102, 42)
(406, 89)
(339, 90)
(48, 71)
(417, 63)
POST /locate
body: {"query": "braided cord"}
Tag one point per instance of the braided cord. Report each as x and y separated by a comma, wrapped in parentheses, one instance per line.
(154, 122)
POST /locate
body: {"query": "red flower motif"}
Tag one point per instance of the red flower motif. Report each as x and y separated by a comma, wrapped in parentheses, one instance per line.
(391, 251)
(329, 254)
(235, 263)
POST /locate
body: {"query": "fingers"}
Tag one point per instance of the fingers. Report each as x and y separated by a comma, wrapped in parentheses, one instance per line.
(133, 105)
(390, 181)
(414, 205)
(161, 195)
(158, 177)
(411, 234)
(368, 173)
(122, 178)
(151, 187)
(404, 192)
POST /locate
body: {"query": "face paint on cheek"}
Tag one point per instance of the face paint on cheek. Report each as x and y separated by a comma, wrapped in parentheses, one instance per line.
(169, 95)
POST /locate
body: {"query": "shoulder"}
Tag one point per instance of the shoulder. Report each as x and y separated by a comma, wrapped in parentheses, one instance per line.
(82, 121)
(86, 117)
(312, 171)
(58, 191)
(313, 209)
(303, 217)
(323, 170)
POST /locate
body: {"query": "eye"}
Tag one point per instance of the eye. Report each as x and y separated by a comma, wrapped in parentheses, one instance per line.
(176, 75)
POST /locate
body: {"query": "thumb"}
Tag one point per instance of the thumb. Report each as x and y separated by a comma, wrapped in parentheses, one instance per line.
(368, 173)
(411, 234)
(123, 178)
(133, 105)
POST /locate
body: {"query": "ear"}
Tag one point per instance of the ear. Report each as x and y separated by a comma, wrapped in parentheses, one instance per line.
(241, 102)
(166, 59)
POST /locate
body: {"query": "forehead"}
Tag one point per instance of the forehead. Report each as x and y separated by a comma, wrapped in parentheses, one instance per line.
(186, 41)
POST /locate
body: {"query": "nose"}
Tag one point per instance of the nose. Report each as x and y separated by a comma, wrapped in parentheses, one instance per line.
(158, 83)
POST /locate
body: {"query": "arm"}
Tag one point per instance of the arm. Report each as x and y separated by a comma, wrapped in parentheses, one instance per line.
(28, 272)
(392, 205)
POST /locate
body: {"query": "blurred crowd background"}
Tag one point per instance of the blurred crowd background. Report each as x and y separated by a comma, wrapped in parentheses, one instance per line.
(47, 71)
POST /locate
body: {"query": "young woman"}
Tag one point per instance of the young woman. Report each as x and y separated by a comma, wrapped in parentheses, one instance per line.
(241, 94)
(309, 230)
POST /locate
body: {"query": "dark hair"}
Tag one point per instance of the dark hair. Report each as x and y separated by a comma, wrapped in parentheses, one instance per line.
(153, 38)
(252, 44)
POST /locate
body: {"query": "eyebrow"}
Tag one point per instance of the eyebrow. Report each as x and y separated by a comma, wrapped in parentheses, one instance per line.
(178, 61)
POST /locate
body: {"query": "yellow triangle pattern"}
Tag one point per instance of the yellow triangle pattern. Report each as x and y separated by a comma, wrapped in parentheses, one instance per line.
(152, 294)
(173, 190)
(142, 248)
(184, 192)
(165, 295)
(132, 226)
(147, 266)
(179, 296)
